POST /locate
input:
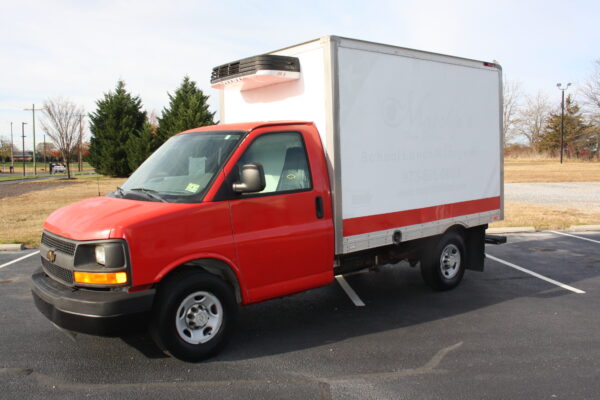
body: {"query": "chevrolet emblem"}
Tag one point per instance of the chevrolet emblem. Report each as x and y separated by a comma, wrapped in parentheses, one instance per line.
(51, 255)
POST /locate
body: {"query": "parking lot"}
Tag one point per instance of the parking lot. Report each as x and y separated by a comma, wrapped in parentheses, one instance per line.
(529, 333)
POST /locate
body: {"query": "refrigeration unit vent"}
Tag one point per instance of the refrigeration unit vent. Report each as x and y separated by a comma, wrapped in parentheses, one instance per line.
(255, 72)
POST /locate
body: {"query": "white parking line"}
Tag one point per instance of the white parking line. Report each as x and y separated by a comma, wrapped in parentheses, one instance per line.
(349, 291)
(557, 283)
(19, 259)
(575, 236)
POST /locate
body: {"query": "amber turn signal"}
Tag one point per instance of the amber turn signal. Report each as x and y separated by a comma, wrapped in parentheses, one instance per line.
(101, 278)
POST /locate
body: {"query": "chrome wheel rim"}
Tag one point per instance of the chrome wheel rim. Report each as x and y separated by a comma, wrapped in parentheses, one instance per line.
(199, 317)
(450, 261)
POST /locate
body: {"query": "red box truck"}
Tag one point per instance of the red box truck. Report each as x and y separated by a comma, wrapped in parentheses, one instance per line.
(364, 154)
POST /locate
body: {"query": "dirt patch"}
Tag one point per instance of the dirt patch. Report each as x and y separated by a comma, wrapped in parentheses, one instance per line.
(17, 189)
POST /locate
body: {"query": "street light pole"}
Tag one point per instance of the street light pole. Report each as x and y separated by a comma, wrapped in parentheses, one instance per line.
(32, 109)
(12, 144)
(562, 118)
(23, 152)
(562, 125)
(79, 141)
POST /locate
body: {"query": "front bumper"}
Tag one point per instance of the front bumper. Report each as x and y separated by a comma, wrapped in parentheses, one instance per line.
(97, 312)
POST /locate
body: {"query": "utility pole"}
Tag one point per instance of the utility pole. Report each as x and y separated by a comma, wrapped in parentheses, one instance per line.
(23, 152)
(12, 144)
(79, 142)
(79, 167)
(44, 149)
(32, 109)
(562, 117)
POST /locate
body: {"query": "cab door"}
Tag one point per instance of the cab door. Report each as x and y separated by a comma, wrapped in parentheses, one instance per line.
(284, 234)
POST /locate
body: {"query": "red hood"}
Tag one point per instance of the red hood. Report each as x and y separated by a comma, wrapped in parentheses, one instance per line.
(104, 217)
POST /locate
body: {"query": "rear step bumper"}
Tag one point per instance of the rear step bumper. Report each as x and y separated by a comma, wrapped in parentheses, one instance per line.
(495, 239)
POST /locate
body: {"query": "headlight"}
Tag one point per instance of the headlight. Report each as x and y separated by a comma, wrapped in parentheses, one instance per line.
(101, 255)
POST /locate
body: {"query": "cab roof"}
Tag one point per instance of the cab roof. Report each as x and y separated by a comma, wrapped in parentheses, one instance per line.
(244, 126)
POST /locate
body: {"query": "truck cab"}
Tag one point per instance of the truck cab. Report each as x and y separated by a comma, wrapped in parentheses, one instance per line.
(239, 204)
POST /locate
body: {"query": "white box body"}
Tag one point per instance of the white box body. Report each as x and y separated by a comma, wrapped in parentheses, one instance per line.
(413, 139)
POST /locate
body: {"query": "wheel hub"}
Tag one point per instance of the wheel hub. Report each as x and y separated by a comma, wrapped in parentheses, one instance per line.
(197, 317)
(450, 261)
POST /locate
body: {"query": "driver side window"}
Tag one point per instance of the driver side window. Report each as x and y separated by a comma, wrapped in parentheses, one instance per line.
(284, 161)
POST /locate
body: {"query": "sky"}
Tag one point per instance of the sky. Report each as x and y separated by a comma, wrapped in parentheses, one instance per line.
(78, 50)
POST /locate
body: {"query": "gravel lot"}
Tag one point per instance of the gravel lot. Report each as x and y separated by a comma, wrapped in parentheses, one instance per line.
(573, 194)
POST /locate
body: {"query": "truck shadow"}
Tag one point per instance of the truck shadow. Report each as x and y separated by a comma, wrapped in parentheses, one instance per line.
(395, 297)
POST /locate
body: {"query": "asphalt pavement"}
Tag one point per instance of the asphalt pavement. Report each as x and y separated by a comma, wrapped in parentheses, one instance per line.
(506, 333)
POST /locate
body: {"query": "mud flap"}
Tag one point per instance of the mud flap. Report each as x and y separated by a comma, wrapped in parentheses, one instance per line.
(475, 243)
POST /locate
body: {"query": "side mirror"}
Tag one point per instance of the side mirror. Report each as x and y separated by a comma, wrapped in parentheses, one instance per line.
(252, 179)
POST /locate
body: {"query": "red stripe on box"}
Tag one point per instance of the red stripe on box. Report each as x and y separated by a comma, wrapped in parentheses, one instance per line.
(380, 222)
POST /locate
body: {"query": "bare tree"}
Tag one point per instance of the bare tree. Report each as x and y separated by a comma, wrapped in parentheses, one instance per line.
(5, 150)
(511, 95)
(61, 123)
(153, 119)
(591, 89)
(533, 117)
(591, 93)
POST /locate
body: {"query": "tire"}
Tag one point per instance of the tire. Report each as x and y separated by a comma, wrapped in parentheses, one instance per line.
(193, 316)
(444, 267)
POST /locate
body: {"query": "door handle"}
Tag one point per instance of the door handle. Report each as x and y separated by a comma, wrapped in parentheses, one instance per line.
(319, 206)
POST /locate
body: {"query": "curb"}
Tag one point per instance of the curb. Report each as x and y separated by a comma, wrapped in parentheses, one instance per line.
(511, 229)
(583, 228)
(529, 229)
(11, 247)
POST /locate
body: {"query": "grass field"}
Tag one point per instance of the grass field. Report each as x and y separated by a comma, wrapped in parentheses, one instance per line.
(41, 170)
(41, 167)
(21, 217)
(517, 170)
(19, 177)
(547, 216)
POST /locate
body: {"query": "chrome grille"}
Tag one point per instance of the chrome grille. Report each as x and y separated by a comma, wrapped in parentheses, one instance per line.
(61, 245)
(60, 273)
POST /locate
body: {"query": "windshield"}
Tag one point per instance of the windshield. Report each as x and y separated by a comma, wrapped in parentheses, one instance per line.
(181, 170)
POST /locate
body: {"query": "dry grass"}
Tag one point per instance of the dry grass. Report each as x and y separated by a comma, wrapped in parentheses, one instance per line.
(545, 170)
(21, 217)
(546, 216)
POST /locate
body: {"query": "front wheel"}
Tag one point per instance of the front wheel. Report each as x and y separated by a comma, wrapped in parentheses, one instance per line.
(193, 316)
(444, 267)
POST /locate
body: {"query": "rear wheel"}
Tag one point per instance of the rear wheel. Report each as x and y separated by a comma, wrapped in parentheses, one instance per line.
(193, 315)
(444, 267)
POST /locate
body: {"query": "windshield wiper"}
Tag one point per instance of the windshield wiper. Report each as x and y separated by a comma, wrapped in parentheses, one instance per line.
(120, 191)
(150, 193)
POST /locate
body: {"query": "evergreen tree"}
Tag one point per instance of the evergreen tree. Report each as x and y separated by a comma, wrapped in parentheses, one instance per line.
(140, 146)
(576, 132)
(187, 109)
(118, 117)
